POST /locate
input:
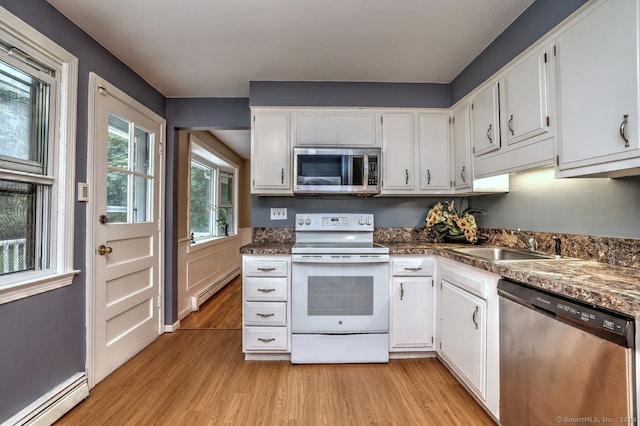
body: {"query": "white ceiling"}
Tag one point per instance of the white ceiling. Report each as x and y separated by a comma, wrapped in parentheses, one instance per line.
(214, 48)
(238, 140)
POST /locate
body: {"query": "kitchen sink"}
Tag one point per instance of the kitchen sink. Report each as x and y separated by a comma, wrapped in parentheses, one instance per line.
(503, 254)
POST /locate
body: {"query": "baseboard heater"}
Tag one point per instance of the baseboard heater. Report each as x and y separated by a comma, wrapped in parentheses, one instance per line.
(202, 297)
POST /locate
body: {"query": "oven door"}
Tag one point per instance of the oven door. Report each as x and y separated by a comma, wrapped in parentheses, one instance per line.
(340, 294)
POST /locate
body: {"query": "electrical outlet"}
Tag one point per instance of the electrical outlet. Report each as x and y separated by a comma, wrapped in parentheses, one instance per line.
(279, 214)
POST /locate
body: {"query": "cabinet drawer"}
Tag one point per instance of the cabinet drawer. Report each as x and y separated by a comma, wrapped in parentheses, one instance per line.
(412, 266)
(266, 268)
(266, 289)
(265, 313)
(266, 338)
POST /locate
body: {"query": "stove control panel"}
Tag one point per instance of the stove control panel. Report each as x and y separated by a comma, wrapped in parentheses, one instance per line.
(334, 222)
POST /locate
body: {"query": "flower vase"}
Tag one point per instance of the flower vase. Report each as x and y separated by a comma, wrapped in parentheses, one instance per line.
(457, 239)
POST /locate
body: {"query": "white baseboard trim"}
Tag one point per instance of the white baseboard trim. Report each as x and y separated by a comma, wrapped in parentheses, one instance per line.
(203, 296)
(267, 357)
(411, 355)
(170, 328)
(54, 404)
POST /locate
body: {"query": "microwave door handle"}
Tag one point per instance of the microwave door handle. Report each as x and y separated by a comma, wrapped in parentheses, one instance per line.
(365, 172)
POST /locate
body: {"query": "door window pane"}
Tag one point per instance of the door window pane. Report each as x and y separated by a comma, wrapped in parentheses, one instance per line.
(142, 199)
(118, 142)
(117, 197)
(142, 151)
(338, 295)
(129, 180)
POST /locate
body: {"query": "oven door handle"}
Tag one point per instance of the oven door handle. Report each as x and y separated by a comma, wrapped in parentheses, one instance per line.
(339, 258)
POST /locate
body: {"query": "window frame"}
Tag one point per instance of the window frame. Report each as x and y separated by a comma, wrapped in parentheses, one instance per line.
(60, 163)
(229, 168)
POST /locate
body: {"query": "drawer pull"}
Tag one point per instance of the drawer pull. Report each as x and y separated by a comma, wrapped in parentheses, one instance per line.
(264, 315)
(271, 339)
(267, 269)
(266, 290)
(407, 268)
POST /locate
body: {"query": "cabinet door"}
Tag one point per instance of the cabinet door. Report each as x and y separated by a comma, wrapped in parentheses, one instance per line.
(356, 129)
(397, 152)
(271, 153)
(463, 334)
(331, 128)
(411, 312)
(526, 109)
(484, 120)
(435, 157)
(597, 73)
(461, 148)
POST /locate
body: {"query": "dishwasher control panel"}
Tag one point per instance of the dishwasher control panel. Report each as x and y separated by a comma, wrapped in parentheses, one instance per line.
(609, 325)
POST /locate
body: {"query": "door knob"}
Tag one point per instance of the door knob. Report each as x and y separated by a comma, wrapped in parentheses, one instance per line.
(102, 249)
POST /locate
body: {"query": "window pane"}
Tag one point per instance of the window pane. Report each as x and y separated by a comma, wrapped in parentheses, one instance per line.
(118, 137)
(201, 206)
(24, 114)
(18, 225)
(117, 197)
(226, 189)
(142, 199)
(142, 152)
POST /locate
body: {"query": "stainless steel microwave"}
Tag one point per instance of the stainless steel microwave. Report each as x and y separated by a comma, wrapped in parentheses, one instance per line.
(337, 170)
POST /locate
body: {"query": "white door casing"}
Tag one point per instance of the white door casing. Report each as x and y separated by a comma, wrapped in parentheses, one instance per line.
(124, 309)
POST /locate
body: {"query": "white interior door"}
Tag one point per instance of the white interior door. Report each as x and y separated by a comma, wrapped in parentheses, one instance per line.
(126, 225)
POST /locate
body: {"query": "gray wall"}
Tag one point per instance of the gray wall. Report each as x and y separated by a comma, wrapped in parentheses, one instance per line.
(389, 211)
(583, 206)
(532, 24)
(43, 336)
(191, 114)
(352, 94)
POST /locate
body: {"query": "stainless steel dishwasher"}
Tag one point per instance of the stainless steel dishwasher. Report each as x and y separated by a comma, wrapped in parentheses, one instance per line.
(562, 361)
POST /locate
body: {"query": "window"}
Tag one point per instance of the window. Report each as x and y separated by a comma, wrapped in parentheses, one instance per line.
(38, 83)
(212, 192)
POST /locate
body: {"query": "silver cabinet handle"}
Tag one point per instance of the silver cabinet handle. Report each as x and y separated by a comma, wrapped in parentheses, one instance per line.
(266, 290)
(282, 175)
(463, 174)
(475, 315)
(489, 133)
(266, 340)
(408, 268)
(264, 315)
(401, 291)
(510, 125)
(428, 177)
(406, 179)
(623, 126)
(266, 269)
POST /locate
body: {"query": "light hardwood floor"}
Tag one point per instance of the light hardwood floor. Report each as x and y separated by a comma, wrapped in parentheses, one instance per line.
(200, 377)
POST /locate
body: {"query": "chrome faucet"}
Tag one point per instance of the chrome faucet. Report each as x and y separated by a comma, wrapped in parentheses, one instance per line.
(528, 239)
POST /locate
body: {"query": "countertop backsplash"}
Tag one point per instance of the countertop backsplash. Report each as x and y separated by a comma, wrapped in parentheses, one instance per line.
(611, 250)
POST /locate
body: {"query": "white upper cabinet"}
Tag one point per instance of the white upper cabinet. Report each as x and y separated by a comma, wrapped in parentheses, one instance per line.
(398, 155)
(597, 75)
(525, 105)
(462, 173)
(335, 128)
(435, 152)
(485, 121)
(271, 153)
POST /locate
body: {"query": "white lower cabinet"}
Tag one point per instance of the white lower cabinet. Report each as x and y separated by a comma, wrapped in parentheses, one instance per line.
(463, 333)
(467, 329)
(411, 304)
(266, 310)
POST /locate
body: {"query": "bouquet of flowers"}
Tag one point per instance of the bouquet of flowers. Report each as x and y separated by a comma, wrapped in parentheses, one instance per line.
(448, 222)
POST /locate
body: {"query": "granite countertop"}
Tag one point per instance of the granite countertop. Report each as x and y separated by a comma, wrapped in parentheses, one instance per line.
(600, 284)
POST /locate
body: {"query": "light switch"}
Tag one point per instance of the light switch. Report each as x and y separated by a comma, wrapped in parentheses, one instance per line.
(279, 213)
